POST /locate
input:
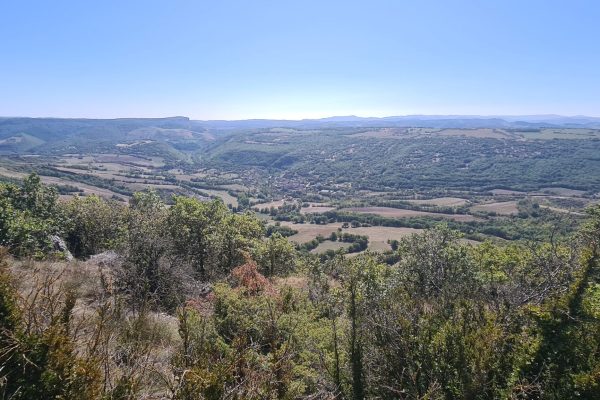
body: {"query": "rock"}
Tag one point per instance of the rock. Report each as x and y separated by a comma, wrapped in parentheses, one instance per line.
(106, 259)
(61, 246)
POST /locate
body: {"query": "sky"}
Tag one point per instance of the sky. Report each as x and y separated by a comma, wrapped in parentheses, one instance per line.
(225, 59)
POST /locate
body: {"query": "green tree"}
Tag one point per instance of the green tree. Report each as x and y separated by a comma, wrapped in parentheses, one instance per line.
(362, 279)
(193, 227)
(94, 225)
(29, 217)
(276, 256)
(148, 276)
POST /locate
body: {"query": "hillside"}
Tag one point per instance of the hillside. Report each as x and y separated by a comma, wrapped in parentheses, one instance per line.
(196, 301)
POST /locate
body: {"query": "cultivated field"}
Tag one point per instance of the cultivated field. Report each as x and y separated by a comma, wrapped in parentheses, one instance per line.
(559, 191)
(441, 201)
(378, 235)
(274, 204)
(223, 194)
(315, 208)
(329, 245)
(402, 213)
(307, 232)
(502, 208)
(476, 133)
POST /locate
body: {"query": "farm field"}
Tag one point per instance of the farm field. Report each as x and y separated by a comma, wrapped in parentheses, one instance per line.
(402, 213)
(329, 245)
(378, 235)
(441, 201)
(487, 133)
(503, 208)
(222, 194)
(330, 171)
(274, 204)
(49, 180)
(315, 208)
(307, 232)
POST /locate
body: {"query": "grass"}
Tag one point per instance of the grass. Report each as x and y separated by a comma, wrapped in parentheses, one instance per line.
(502, 208)
(441, 201)
(378, 235)
(329, 245)
(315, 208)
(223, 194)
(307, 232)
(390, 212)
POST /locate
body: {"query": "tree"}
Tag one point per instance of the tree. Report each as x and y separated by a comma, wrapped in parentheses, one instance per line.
(362, 280)
(435, 264)
(276, 256)
(94, 225)
(29, 217)
(210, 238)
(148, 276)
(193, 226)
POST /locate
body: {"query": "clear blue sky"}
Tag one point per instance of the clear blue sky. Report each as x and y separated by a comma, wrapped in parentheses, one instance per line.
(293, 59)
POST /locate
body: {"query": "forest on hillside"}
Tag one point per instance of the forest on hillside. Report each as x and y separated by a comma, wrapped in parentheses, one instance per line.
(105, 299)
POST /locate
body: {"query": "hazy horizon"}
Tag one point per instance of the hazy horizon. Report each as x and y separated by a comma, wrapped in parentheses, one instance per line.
(416, 116)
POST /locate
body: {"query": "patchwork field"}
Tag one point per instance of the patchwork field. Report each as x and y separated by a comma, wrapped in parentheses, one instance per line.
(315, 208)
(559, 191)
(502, 208)
(441, 201)
(476, 133)
(307, 232)
(329, 245)
(50, 180)
(224, 195)
(325, 169)
(274, 204)
(378, 235)
(402, 213)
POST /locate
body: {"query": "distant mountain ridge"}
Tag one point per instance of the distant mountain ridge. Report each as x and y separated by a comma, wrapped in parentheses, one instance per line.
(425, 121)
(172, 135)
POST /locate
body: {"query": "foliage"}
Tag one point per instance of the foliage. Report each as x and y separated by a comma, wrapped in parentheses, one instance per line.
(201, 304)
(94, 225)
(38, 350)
(28, 217)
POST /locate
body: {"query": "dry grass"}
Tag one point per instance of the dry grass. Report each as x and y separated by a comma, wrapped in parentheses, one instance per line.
(441, 201)
(223, 194)
(96, 318)
(390, 212)
(502, 208)
(559, 191)
(50, 180)
(274, 204)
(562, 210)
(388, 133)
(329, 245)
(505, 192)
(477, 133)
(378, 235)
(315, 208)
(307, 232)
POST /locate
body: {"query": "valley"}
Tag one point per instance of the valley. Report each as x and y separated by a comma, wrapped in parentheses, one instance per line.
(489, 183)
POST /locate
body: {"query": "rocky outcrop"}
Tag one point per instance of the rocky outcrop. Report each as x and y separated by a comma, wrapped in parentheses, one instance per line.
(59, 245)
